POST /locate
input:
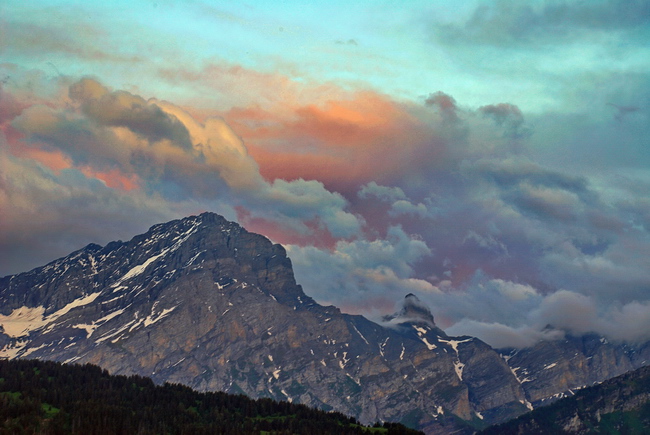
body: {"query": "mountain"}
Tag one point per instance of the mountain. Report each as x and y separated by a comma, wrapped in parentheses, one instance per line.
(203, 302)
(619, 405)
(554, 369)
(42, 397)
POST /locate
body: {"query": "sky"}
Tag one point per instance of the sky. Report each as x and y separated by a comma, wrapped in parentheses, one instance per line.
(491, 157)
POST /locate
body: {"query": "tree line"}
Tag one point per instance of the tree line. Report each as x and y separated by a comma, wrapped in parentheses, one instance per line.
(45, 397)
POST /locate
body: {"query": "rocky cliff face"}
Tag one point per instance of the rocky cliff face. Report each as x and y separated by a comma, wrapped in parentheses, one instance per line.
(203, 302)
(619, 405)
(555, 369)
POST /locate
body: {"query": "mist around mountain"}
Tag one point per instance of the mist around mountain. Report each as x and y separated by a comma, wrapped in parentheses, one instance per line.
(202, 302)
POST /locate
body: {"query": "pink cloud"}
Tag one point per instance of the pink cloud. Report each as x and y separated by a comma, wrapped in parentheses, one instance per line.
(314, 232)
(344, 143)
(114, 178)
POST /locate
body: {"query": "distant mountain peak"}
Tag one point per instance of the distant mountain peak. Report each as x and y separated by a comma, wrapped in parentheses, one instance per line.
(412, 310)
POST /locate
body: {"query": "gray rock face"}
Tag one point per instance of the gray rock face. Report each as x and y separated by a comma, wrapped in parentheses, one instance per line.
(202, 302)
(618, 405)
(555, 369)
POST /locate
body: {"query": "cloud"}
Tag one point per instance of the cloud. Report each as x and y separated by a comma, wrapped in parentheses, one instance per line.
(123, 109)
(374, 198)
(344, 142)
(365, 137)
(220, 149)
(372, 275)
(47, 215)
(503, 253)
(400, 204)
(509, 116)
(629, 323)
(43, 40)
(486, 241)
(546, 202)
(567, 310)
(136, 148)
(445, 103)
(502, 336)
(308, 200)
(553, 316)
(511, 171)
(10, 107)
(512, 22)
(383, 193)
(619, 272)
(212, 85)
(174, 154)
(404, 207)
(156, 160)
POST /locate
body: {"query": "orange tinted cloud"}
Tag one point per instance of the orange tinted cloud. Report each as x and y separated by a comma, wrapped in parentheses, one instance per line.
(339, 142)
(226, 85)
(316, 235)
(299, 129)
(50, 157)
(113, 178)
(356, 123)
(55, 159)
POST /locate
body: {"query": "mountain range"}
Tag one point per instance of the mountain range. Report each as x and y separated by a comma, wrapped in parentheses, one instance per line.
(202, 302)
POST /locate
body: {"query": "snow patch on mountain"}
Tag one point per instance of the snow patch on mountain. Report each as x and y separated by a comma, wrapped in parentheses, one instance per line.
(24, 320)
(454, 343)
(90, 328)
(139, 269)
(458, 368)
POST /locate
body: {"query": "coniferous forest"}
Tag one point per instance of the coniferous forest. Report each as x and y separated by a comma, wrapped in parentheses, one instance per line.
(42, 397)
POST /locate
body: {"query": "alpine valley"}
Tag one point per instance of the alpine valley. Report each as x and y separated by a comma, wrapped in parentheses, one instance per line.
(202, 302)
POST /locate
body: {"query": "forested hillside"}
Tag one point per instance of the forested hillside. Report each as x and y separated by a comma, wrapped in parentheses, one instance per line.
(50, 398)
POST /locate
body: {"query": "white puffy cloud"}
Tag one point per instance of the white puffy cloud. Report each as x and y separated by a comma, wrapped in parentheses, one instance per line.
(363, 276)
(306, 200)
(400, 204)
(543, 316)
(383, 193)
(499, 335)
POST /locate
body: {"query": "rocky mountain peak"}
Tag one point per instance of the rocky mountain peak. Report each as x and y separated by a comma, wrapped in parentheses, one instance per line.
(412, 310)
